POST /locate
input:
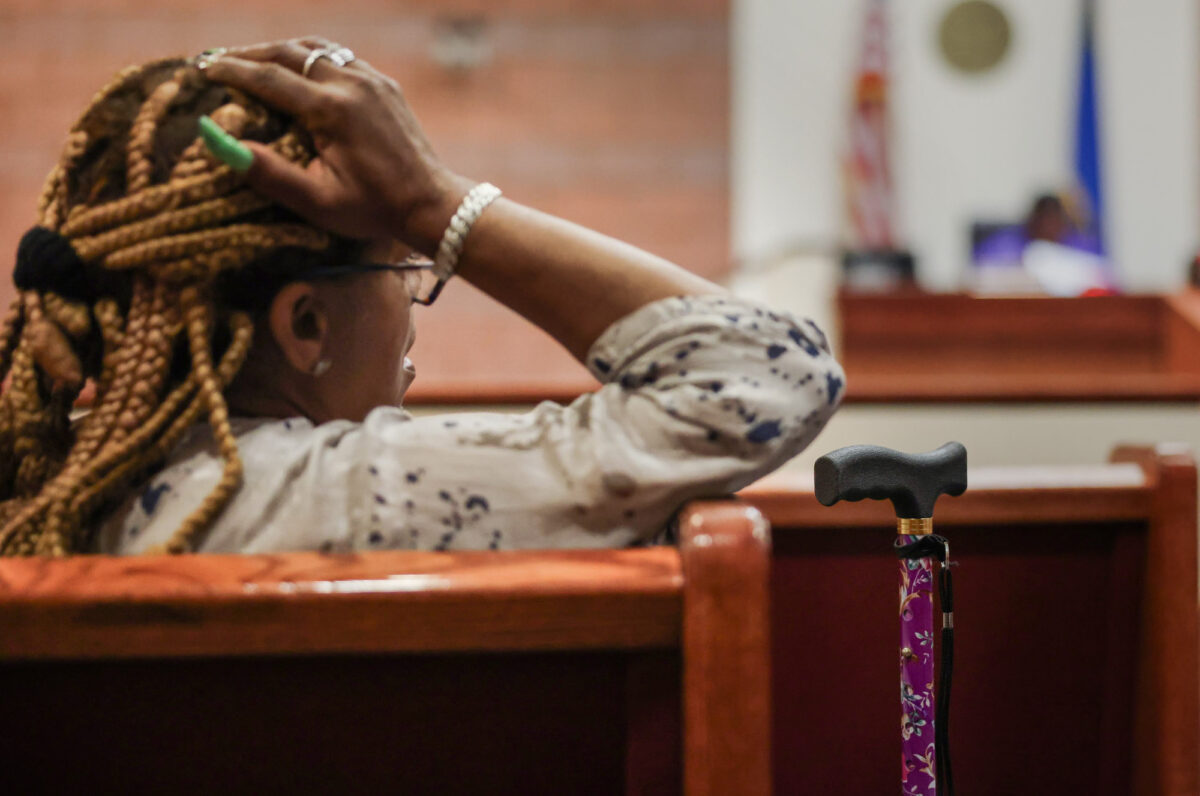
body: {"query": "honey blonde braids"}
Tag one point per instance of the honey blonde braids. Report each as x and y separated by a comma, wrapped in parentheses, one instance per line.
(155, 231)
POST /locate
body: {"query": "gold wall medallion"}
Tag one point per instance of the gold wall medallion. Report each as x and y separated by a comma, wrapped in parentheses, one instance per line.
(974, 36)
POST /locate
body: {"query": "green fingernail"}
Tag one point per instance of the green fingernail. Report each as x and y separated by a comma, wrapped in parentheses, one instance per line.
(205, 59)
(225, 147)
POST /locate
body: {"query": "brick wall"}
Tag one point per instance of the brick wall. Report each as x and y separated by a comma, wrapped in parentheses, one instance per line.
(612, 113)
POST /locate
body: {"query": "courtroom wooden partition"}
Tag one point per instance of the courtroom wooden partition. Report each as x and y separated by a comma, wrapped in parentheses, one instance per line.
(581, 672)
(912, 346)
(1076, 613)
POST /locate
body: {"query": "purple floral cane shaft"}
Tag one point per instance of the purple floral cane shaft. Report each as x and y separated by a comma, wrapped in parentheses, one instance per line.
(917, 775)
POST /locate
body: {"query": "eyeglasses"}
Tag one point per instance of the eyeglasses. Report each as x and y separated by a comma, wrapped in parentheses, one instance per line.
(417, 271)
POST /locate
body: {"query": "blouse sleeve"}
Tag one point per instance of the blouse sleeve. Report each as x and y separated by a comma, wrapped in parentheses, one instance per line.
(700, 396)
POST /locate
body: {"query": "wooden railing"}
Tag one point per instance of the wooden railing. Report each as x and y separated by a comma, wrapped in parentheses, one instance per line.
(921, 347)
(553, 672)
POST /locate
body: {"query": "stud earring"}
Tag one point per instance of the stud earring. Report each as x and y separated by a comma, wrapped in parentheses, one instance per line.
(322, 367)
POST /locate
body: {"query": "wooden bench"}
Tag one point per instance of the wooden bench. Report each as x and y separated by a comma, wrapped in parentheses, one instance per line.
(1076, 610)
(526, 672)
(613, 671)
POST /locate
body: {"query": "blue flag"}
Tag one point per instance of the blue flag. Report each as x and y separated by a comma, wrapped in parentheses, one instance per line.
(1088, 167)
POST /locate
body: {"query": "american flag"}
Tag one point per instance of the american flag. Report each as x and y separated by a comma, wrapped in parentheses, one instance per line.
(867, 174)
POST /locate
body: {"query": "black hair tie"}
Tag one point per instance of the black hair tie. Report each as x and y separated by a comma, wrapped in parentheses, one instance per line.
(47, 262)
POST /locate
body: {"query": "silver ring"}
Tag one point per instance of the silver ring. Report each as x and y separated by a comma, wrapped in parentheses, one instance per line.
(346, 54)
(318, 54)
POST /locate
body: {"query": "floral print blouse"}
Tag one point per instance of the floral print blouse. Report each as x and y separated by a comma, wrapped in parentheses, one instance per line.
(701, 395)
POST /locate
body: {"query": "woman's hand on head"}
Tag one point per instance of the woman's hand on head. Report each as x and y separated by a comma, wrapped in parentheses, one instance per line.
(375, 175)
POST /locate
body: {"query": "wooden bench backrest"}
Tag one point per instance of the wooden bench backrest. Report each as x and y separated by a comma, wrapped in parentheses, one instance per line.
(619, 636)
(1076, 613)
(629, 640)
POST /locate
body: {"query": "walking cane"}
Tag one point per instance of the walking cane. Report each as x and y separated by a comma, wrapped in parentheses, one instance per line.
(913, 483)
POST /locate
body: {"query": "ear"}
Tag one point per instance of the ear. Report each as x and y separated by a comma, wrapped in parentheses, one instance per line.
(300, 325)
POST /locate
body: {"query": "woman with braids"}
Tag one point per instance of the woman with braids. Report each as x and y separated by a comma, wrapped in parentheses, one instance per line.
(229, 250)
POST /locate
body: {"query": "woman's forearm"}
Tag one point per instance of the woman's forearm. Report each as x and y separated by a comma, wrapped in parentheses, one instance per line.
(570, 281)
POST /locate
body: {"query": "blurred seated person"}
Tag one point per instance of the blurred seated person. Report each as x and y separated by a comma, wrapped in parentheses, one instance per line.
(244, 310)
(1048, 254)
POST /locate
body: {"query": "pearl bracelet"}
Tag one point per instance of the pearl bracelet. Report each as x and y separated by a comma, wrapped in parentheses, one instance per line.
(472, 206)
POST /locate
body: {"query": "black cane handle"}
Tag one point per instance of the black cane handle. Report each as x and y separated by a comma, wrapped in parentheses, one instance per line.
(912, 481)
